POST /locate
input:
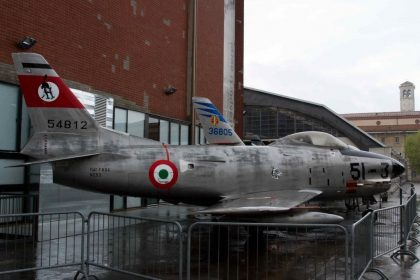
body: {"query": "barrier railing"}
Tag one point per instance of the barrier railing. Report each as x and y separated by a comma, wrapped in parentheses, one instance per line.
(387, 228)
(361, 246)
(41, 241)
(266, 251)
(153, 248)
(143, 247)
(411, 215)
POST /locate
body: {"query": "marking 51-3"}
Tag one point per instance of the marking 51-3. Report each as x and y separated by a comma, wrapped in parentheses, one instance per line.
(357, 170)
(220, 131)
(67, 124)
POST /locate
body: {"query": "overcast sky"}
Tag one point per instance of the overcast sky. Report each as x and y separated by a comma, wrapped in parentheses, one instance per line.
(350, 55)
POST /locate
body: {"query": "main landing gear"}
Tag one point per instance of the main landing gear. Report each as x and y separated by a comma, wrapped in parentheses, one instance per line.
(353, 204)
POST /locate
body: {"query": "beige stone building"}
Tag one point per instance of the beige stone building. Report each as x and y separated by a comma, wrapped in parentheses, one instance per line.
(392, 128)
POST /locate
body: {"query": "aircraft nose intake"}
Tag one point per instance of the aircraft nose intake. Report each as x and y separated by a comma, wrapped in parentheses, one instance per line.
(397, 168)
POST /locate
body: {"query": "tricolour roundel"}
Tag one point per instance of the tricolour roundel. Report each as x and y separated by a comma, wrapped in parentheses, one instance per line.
(48, 91)
(163, 174)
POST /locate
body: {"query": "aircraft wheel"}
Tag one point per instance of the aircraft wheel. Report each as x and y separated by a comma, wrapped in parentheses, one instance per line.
(351, 204)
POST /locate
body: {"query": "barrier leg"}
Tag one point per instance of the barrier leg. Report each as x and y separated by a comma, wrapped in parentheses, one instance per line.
(377, 271)
(85, 276)
(403, 251)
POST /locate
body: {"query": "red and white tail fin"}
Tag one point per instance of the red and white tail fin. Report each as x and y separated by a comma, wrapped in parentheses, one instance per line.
(61, 124)
(51, 104)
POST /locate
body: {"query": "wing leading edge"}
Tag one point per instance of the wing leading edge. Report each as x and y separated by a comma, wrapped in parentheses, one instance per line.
(263, 202)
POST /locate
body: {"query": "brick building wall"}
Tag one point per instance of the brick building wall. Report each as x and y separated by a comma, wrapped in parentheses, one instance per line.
(210, 50)
(128, 48)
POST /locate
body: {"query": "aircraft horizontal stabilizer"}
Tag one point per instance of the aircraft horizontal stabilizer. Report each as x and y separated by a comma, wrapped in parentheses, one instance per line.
(53, 159)
(262, 202)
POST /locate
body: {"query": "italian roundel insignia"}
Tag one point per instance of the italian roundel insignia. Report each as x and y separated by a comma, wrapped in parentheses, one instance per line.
(163, 174)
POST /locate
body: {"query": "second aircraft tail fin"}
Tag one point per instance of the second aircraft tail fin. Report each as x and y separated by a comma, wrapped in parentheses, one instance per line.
(216, 129)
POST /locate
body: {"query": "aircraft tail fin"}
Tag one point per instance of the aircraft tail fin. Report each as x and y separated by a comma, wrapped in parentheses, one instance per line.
(57, 116)
(216, 129)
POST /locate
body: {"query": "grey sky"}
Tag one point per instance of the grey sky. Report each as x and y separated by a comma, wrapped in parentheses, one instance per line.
(350, 55)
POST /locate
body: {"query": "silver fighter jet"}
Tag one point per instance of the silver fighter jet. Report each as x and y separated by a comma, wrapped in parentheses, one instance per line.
(226, 177)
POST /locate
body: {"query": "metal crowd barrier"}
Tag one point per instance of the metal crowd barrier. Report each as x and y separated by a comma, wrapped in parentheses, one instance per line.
(361, 246)
(266, 251)
(153, 248)
(35, 241)
(388, 234)
(143, 247)
(18, 203)
(410, 210)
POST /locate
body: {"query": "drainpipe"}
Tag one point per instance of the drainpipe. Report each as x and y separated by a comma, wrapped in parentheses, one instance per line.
(192, 65)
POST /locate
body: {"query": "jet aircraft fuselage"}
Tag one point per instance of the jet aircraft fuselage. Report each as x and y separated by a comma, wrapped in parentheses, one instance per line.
(206, 174)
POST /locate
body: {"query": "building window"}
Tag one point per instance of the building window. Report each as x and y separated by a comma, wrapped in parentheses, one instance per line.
(199, 136)
(174, 133)
(417, 121)
(168, 132)
(135, 123)
(120, 119)
(25, 126)
(9, 176)
(203, 140)
(184, 134)
(9, 104)
(129, 121)
(164, 131)
(383, 140)
(378, 122)
(154, 129)
(397, 139)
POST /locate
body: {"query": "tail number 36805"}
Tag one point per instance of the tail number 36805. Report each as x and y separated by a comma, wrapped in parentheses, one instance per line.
(220, 131)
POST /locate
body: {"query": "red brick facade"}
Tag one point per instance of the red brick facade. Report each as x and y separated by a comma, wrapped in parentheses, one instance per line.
(210, 50)
(132, 49)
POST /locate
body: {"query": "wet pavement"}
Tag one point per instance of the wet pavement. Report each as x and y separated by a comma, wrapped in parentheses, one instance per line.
(285, 253)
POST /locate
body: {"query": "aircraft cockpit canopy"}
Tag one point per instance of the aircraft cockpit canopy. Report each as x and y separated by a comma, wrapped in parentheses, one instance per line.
(312, 138)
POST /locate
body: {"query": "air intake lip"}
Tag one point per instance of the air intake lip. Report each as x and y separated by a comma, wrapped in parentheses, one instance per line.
(397, 169)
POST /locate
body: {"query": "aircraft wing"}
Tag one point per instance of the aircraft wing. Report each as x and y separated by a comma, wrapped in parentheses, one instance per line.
(49, 160)
(262, 202)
